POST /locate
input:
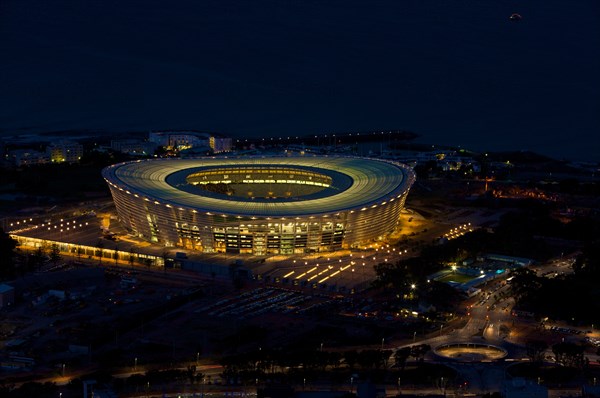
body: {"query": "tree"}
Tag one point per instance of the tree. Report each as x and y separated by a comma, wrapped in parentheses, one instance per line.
(385, 357)
(7, 254)
(350, 357)
(535, 350)
(441, 295)
(524, 282)
(191, 373)
(165, 257)
(131, 257)
(419, 351)
(55, 256)
(116, 255)
(100, 251)
(369, 359)
(35, 259)
(401, 356)
(335, 359)
(569, 354)
(587, 263)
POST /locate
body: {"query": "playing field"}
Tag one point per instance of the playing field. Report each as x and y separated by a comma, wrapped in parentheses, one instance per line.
(456, 277)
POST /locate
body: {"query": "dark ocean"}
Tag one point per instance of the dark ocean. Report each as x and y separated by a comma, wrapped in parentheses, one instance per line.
(455, 72)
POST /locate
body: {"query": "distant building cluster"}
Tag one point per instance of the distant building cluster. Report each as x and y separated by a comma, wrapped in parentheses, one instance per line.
(185, 140)
(445, 160)
(133, 146)
(182, 143)
(174, 143)
(63, 151)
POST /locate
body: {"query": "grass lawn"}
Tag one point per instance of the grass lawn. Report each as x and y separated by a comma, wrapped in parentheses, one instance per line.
(456, 277)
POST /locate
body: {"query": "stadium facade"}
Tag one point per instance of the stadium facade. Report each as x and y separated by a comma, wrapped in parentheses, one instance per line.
(260, 206)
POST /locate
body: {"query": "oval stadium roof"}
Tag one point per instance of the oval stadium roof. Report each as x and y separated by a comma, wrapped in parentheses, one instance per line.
(372, 182)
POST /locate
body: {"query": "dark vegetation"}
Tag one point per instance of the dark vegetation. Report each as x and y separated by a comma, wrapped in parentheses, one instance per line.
(531, 231)
(293, 365)
(574, 297)
(51, 183)
(571, 368)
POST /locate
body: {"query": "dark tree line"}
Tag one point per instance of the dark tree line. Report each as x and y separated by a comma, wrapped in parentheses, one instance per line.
(571, 297)
(8, 267)
(266, 363)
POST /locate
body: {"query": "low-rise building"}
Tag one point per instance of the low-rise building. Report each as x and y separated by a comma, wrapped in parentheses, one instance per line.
(522, 388)
(65, 151)
(133, 146)
(179, 140)
(7, 295)
(220, 144)
(27, 157)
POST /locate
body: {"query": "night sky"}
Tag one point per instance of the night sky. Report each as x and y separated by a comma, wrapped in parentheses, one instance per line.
(458, 73)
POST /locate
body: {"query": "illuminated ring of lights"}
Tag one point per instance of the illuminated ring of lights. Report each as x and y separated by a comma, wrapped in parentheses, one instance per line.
(470, 352)
(371, 183)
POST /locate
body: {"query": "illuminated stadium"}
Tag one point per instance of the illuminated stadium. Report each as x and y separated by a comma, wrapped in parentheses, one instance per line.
(260, 206)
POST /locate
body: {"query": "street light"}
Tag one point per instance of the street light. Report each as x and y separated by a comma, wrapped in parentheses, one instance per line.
(135, 364)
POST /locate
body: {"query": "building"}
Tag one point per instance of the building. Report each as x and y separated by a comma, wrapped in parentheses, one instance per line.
(182, 140)
(523, 388)
(278, 205)
(179, 140)
(220, 144)
(27, 157)
(65, 151)
(133, 146)
(7, 295)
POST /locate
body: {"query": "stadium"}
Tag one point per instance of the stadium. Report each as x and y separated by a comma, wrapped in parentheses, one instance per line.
(260, 205)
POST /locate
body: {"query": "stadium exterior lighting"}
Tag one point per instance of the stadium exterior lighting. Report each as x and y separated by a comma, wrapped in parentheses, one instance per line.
(304, 204)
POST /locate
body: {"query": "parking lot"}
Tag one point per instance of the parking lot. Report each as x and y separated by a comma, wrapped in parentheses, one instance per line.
(259, 301)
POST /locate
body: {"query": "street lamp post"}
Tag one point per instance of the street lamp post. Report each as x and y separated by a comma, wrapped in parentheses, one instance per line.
(135, 364)
(399, 380)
